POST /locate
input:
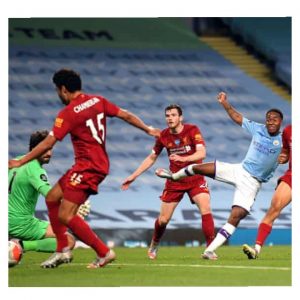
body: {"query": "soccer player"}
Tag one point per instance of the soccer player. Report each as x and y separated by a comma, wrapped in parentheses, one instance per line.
(84, 118)
(257, 167)
(185, 145)
(281, 198)
(25, 185)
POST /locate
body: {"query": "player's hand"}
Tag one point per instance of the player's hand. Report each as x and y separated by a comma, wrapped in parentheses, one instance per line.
(222, 97)
(175, 157)
(84, 209)
(126, 183)
(12, 163)
(283, 158)
(154, 131)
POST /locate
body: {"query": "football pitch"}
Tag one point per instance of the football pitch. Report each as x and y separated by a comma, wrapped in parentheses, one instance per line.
(175, 266)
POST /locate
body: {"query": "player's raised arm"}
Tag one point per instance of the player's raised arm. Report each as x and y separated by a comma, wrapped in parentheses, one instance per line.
(36, 152)
(144, 166)
(134, 120)
(233, 114)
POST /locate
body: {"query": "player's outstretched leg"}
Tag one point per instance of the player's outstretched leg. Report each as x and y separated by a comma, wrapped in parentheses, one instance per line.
(57, 258)
(250, 252)
(182, 173)
(101, 262)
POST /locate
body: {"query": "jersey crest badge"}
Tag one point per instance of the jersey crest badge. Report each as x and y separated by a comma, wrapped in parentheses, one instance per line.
(177, 142)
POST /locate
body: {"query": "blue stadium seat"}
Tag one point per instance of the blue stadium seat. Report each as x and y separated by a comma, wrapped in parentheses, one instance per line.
(144, 82)
(270, 37)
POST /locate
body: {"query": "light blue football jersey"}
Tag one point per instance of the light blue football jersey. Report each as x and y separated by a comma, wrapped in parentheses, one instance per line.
(261, 158)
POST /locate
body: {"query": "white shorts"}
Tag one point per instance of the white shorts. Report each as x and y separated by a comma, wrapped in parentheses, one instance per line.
(246, 186)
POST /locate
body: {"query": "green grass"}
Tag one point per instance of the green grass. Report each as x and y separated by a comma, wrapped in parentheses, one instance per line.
(175, 266)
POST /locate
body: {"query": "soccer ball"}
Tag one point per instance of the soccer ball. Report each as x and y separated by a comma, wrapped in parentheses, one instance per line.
(15, 252)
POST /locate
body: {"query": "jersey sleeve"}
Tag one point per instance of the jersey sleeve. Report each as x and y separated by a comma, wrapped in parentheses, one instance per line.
(250, 126)
(62, 125)
(158, 147)
(38, 178)
(111, 109)
(197, 137)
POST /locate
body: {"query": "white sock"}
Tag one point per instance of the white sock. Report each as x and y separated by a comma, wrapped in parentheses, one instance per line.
(222, 236)
(184, 172)
(257, 248)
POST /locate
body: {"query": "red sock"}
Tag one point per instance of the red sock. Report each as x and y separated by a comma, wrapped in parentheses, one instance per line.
(84, 232)
(208, 228)
(58, 228)
(158, 231)
(263, 232)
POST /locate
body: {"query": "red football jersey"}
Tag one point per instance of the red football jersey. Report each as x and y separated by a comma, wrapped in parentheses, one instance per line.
(183, 144)
(85, 119)
(287, 142)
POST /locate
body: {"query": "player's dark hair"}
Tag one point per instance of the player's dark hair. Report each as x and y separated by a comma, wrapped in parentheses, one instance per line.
(69, 78)
(275, 110)
(36, 137)
(174, 106)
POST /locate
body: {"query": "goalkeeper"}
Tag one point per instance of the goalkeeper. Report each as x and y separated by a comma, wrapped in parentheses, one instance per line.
(25, 184)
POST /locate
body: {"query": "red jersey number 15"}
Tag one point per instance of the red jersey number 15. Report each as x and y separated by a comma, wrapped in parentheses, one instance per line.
(99, 134)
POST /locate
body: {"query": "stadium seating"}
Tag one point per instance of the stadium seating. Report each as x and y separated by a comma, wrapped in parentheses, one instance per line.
(270, 37)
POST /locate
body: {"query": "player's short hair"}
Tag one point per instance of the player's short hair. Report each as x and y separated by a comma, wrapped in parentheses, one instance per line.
(174, 106)
(275, 110)
(69, 78)
(36, 137)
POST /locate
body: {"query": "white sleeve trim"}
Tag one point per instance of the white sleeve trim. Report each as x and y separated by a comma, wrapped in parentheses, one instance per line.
(198, 146)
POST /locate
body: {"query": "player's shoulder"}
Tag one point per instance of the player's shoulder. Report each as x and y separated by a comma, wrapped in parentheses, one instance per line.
(95, 96)
(255, 125)
(190, 127)
(28, 169)
(288, 128)
(35, 163)
(287, 132)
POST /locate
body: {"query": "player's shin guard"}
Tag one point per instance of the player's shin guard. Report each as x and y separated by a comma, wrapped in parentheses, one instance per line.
(263, 232)
(159, 230)
(59, 229)
(208, 228)
(84, 232)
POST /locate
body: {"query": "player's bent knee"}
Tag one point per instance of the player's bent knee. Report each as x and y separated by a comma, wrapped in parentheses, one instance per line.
(163, 221)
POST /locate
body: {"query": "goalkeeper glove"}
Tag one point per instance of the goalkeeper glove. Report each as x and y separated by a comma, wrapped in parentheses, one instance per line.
(84, 209)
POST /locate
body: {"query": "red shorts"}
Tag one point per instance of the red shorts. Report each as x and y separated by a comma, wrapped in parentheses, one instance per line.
(174, 191)
(287, 178)
(78, 185)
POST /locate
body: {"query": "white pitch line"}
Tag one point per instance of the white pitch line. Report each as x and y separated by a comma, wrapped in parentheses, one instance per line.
(208, 266)
(193, 266)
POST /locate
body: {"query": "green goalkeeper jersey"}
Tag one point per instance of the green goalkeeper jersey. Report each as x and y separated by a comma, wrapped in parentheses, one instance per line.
(25, 184)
